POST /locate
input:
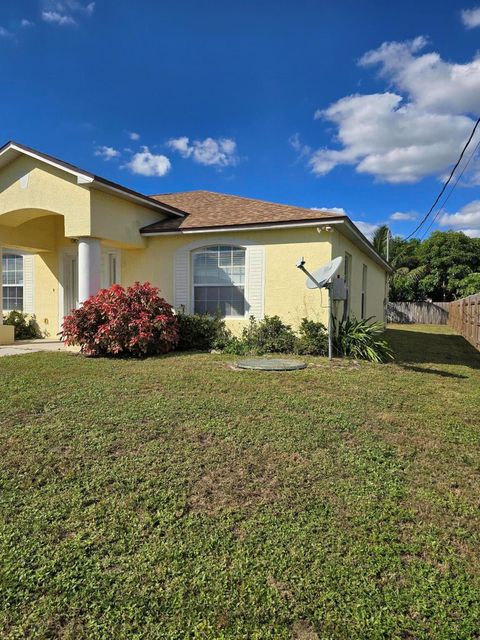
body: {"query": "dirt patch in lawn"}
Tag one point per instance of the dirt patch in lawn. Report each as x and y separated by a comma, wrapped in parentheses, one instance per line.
(302, 630)
(248, 479)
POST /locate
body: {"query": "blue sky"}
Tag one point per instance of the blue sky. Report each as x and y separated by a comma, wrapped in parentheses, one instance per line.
(357, 105)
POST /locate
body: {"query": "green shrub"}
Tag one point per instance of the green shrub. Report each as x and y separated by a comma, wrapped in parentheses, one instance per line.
(361, 339)
(235, 346)
(353, 338)
(26, 327)
(134, 322)
(312, 339)
(201, 332)
(269, 335)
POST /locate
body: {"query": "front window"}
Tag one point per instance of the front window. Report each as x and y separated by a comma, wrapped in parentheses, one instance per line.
(219, 281)
(12, 282)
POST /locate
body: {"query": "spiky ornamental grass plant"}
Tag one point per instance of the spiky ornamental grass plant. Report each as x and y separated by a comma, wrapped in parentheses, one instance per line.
(361, 339)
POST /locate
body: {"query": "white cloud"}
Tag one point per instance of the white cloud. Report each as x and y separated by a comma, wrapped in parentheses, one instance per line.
(394, 142)
(466, 220)
(65, 12)
(220, 152)
(26, 23)
(367, 228)
(430, 82)
(301, 149)
(5, 33)
(181, 145)
(107, 153)
(471, 17)
(133, 136)
(472, 233)
(145, 163)
(415, 129)
(400, 215)
(53, 17)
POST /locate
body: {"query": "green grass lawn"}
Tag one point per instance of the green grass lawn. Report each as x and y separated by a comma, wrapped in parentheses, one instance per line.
(177, 498)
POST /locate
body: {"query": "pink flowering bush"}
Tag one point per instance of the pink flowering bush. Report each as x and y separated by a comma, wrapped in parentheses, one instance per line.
(123, 322)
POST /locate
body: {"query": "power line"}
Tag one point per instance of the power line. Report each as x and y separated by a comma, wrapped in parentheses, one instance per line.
(442, 191)
(440, 209)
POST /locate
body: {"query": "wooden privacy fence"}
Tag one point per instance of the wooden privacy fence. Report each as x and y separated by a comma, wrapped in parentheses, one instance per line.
(421, 312)
(464, 317)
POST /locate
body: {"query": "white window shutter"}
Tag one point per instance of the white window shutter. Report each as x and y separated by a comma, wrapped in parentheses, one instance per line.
(181, 280)
(28, 283)
(256, 281)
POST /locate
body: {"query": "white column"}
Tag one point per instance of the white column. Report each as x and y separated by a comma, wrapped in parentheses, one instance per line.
(89, 265)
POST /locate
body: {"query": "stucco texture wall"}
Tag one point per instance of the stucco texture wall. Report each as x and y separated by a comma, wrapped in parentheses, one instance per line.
(285, 292)
(119, 220)
(376, 279)
(30, 189)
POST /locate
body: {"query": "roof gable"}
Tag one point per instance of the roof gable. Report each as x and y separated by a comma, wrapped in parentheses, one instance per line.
(13, 150)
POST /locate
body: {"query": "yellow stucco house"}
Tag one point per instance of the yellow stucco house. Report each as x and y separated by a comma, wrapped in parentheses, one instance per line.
(65, 233)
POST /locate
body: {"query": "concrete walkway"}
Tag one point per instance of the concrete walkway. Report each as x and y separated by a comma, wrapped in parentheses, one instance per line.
(22, 347)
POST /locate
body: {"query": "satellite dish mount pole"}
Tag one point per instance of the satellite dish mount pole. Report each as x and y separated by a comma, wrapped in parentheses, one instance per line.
(328, 287)
(327, 284)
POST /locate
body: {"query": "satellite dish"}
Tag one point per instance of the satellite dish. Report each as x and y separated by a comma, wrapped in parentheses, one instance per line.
(323, 274)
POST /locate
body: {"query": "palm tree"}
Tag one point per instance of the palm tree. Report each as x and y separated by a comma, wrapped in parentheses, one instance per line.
(380, 240)
(404, 267)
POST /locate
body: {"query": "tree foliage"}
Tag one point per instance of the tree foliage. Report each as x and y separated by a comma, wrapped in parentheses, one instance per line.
(380, 240)
(442, 267)
(469, 285)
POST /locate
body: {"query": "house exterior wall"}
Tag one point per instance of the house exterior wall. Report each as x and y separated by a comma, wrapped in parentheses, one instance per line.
(284, 290)
(376, 279)
(119, 221)
(30, 189)
(285, 293)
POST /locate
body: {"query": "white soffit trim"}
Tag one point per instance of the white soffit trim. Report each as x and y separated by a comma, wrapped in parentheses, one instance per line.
(20, 151)
(345, 225)
(144, 201)
(252, 227)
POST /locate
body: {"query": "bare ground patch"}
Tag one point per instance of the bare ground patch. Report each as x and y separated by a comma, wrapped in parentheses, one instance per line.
(302, 630)
(248, 479)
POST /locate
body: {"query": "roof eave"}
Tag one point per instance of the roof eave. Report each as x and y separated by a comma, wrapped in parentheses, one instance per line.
(149, 230)
(360, 237)
(344, 222)
(106, 185)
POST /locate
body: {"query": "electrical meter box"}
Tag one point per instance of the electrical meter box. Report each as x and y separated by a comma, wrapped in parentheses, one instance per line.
(339, 289)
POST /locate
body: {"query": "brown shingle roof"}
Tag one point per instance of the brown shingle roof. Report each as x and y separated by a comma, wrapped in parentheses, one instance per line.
(207, 209)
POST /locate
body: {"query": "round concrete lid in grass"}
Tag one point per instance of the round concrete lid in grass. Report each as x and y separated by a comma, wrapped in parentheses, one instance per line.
(271, 364)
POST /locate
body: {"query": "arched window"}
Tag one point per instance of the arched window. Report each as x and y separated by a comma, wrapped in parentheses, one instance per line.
(219, 280)
(12, 282)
